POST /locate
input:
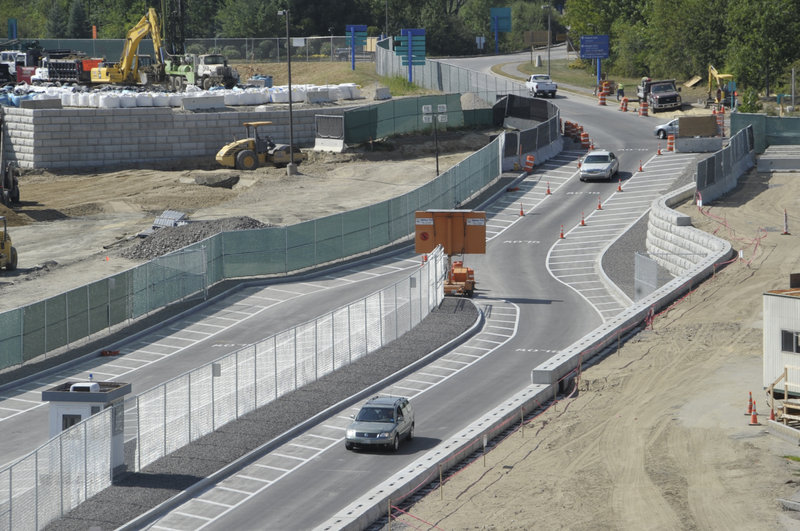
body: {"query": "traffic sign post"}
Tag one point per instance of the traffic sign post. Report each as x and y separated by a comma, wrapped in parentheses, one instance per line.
(410, 46)
(501, 21)
(356, 36)
(595, 47)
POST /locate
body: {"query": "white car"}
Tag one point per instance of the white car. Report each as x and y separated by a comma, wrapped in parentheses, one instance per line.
(664, 130)
(599, 164)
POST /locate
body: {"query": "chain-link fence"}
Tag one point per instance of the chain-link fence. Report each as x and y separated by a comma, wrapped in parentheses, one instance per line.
(76, 464)
(262, 50)
(719, 173)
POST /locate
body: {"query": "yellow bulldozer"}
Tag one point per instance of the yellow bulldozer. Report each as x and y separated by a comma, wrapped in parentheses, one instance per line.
(257, 148)
(8, 254)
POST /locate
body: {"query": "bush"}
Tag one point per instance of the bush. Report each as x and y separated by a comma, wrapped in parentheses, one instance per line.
(231, 52)
(196, 48)
(749, 102)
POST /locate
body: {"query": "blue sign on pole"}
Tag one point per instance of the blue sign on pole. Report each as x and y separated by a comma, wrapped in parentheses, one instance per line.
(501, 21)
(356, 36)
(594, 46)
(410, 46)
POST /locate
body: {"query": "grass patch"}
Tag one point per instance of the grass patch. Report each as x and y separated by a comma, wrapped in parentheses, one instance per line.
(328, 73)
(794, 458)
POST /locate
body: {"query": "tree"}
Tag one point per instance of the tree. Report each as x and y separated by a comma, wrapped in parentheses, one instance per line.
(78, 25)
(56, 22)
(762, 39)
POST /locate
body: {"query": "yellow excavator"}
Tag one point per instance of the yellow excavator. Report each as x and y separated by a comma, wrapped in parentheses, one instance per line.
(131, 68)
(720, 94)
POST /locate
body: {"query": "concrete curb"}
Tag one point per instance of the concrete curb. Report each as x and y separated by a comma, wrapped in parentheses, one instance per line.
(552, 370)
(174, 502)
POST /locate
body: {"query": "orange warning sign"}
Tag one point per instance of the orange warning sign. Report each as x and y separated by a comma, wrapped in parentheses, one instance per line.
(458, 231)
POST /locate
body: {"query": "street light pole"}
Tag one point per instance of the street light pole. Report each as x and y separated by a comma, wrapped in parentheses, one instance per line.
(549, 10)
(291, 168)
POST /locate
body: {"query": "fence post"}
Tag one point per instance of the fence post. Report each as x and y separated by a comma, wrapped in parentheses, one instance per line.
(189, 412)
(164, 415)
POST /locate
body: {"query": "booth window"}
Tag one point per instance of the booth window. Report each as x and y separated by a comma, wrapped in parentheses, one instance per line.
(789, 341)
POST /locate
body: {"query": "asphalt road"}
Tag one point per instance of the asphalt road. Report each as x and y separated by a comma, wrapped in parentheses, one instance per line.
(533, 311)
(533, 316)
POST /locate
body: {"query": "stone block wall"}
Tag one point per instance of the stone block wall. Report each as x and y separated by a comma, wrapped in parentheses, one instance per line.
(71, 138)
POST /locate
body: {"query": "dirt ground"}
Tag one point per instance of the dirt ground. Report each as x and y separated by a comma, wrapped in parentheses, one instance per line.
(657, 436)
(71, 229)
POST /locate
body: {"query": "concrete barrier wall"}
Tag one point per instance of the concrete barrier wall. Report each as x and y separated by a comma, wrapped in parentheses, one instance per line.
(85, 138)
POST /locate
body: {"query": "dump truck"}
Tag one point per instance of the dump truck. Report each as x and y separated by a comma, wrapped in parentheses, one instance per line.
(257, 148)
(660, 95)
(8, 253)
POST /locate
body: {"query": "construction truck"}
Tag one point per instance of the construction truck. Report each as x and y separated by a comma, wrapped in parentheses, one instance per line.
(204, 71)
(130, 69)
(720, 89)
(8, 254)
(257, 148)
(459, 232)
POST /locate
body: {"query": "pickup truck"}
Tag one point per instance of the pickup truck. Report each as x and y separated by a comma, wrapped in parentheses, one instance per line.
(541, 85)
(660, 95)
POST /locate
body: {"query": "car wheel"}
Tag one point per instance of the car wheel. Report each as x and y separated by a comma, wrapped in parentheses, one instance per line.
(396, 443)
(662, 134)
(348, 446)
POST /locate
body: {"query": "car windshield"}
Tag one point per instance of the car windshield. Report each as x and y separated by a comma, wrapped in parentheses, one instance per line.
(661, 88)
(375, 414)
(596, 159)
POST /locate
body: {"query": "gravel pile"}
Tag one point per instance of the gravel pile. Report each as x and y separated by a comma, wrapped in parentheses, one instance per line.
(168, 239)
(136, 493)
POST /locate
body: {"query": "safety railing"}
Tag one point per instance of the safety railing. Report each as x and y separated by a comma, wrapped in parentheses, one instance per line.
(77, 463)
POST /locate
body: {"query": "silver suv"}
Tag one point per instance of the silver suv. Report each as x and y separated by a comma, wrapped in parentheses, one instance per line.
(382, 421)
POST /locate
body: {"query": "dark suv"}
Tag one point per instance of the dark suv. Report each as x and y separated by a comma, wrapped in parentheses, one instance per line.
(382, 421)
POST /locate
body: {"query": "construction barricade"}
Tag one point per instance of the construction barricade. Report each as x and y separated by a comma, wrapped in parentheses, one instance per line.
(623, 105)
(529, 162)
(671, 143)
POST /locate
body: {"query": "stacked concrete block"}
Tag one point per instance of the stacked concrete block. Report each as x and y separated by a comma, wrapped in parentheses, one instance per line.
(671, 239)
(128, 137)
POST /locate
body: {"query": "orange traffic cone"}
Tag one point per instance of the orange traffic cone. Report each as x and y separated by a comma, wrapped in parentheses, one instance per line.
(521, 212)
(424, 258)
(561, 235)
(583, 221)
(592, 145)
(772, 414)
(754, 416)
(750, 405)
(599, 205)
(659, 150)
(640, 165)
(619, 186)
(548, 188)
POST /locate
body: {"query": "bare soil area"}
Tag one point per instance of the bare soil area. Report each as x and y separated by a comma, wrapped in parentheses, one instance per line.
(657, 436)
(71, 229)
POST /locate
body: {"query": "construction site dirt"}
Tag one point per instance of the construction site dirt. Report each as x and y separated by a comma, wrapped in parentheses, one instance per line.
(71, 229)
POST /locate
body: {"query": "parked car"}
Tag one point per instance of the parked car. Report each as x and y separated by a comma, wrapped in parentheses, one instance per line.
(664, 130)
(599, 164)
(382, 421)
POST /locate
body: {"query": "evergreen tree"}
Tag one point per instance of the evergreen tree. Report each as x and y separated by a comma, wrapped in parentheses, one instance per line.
(56, 22)
(78, 25)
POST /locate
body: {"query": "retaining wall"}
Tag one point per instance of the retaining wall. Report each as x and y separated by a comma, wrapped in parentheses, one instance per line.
(85, 138)
(671, 239)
